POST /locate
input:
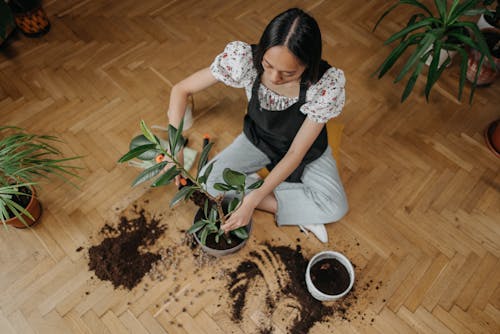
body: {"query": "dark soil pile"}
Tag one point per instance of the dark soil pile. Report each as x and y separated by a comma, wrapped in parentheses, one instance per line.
(122, 257)
(292, 286)
(330, 276)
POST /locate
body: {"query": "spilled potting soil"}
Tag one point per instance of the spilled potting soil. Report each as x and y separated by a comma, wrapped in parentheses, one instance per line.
(123, 257)
(289, 266)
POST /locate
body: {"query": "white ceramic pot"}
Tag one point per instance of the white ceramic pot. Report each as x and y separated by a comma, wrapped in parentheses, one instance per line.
(317, 294)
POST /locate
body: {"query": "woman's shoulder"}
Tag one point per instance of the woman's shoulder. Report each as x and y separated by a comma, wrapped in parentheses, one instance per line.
(234, 65)
(332, 77)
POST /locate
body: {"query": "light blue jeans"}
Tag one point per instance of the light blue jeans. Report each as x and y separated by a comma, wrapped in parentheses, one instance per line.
(318, 199)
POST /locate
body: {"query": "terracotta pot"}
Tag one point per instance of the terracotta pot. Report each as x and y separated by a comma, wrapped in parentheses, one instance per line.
(33, 23)
(492, 137)
(34, 208)
(488, 73)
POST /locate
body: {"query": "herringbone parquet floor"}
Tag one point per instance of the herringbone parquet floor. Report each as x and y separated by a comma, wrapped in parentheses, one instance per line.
(424, 223)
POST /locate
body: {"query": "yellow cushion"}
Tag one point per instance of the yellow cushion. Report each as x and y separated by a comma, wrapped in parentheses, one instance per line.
(334, 135)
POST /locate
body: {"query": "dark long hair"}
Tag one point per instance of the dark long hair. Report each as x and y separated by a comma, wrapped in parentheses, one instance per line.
(299, 32)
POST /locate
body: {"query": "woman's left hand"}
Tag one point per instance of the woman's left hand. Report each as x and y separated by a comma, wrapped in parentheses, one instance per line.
(240, 217)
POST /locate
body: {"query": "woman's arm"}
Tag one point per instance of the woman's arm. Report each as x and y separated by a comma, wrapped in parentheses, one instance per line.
(302, 142)
(196, 82)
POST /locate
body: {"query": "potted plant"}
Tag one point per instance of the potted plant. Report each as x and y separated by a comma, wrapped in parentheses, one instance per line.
(30, 17)
(329, 276)
(429, 32)
(492, 18)
(485, 73)
(25, 157)
(214, 210)
(6, 21)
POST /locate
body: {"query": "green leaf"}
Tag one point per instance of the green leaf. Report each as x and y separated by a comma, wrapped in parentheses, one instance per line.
(208, 170)
(181, 195)
(149, 173)
(240, 232)
(148, 134)
(255, 185)
(197, 226)
(423, 23)
(233, 204)
(175, 139)
(233, 178)
(203, 236)
(213, 216)
(441, 7)
(136, 152)
(167, 177)
(423, 46)
(204, 156)
(222, 187)
(205, 208)
(433, 69)
(395, 54)
(412, 80)
(463, 72)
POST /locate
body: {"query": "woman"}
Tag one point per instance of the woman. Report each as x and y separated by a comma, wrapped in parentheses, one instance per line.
(292, 94)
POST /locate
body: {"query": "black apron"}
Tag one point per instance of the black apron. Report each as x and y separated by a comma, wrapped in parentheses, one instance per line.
(273, 131)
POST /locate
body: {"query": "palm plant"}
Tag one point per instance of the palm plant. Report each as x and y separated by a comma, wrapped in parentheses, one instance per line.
(428, 33)
(214, 215)
(24, 158)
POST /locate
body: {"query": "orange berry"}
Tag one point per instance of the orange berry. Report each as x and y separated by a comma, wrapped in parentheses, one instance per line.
(159, 158)
(183, 181)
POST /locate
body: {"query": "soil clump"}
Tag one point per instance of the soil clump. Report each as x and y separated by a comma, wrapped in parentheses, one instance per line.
(123, 257)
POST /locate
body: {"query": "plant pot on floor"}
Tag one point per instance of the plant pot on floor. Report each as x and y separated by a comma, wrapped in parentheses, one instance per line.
(488, 73)
(492, 137)
(222, 248)
(329, 276)
(30, 17)
(32, 205)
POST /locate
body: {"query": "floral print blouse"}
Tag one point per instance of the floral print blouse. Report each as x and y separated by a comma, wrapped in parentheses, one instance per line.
(324, 99)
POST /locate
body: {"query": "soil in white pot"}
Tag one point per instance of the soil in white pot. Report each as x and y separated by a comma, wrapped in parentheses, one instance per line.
(330, 276)
(227, 242)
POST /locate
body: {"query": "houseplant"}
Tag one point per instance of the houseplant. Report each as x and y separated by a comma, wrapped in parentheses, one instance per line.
(428, 32)
(214, 210)
(24, 158)
(6, 21)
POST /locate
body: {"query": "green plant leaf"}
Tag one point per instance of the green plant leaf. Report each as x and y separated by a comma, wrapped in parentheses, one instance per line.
(412, 80)
(203, 179)
(441, 7)
(433, 69)
(422, 47)
(204, 157)
(203, 236)
(240, 232)
(423, 23)
(222, 187)
(256, 185)
(149, 173)
(233, 178)
(167, 177)
(463, 72)
(403, 2)
(197, 226)
(148, 134)
(395, 54)
(233, 204)
(135, 152)
(205, 208)
(181, 195)
(213, 216)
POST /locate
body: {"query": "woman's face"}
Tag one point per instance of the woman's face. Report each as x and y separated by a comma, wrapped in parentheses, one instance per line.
(281, 66)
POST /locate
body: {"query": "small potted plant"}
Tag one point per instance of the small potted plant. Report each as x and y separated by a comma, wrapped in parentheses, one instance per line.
(329, 276)
(213, 210)
(24, 158)
(429, 32)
